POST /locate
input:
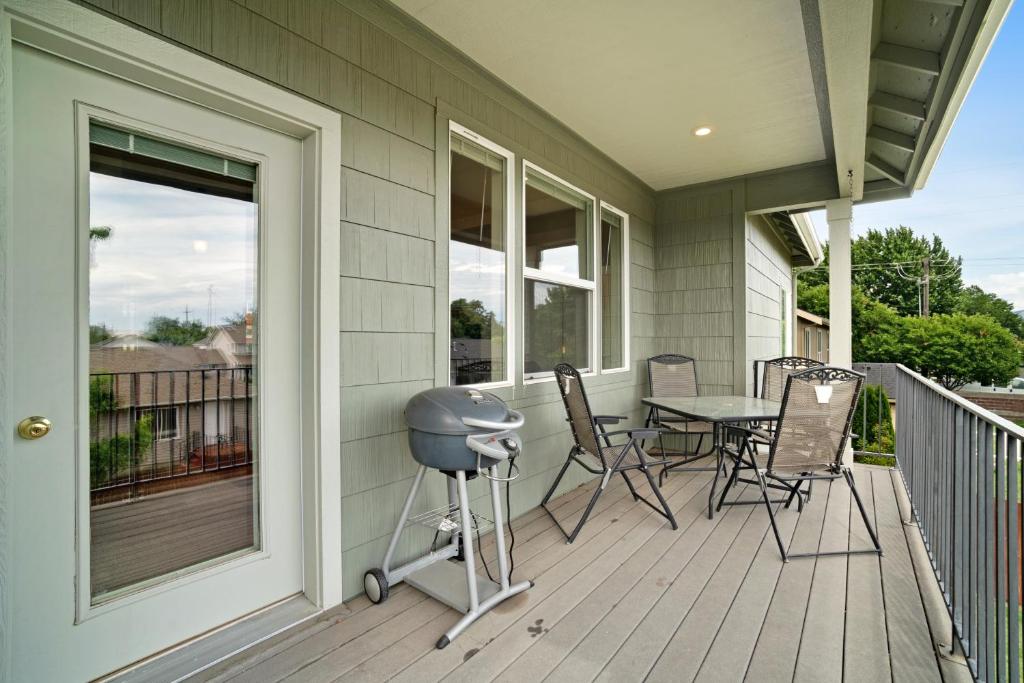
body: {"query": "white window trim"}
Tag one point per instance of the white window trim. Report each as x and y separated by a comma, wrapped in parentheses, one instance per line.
(538, 275)
(510, 270)
(626, 291)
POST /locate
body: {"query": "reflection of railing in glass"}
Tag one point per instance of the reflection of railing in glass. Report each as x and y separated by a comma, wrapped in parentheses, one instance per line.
(149, 428)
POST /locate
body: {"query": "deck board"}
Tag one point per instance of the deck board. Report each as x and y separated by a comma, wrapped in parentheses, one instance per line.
(633, 600)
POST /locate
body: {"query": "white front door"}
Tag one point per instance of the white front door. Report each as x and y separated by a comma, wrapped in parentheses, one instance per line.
(142, 224)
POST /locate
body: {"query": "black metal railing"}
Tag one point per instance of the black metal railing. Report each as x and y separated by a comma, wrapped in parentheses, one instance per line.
(151, 426)
(961, 466)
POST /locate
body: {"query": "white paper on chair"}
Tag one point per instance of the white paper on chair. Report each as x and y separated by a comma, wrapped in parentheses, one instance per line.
(824, 392)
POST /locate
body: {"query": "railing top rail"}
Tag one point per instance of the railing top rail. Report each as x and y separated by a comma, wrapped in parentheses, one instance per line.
(968, 405)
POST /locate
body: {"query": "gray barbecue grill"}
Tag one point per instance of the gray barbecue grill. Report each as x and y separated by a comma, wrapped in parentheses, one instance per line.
(463, 433)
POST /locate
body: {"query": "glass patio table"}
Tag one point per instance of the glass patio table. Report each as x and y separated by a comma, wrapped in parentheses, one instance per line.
(719, 411)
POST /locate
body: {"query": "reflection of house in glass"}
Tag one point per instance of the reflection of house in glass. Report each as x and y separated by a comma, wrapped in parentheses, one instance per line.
(160, 414)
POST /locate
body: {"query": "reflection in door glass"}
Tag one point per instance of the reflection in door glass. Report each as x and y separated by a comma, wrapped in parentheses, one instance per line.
(172, 349)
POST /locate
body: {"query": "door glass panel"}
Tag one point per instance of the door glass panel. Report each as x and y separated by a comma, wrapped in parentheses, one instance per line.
(172, 347)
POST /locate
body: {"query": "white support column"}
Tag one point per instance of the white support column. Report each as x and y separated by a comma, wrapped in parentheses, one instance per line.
(839, 214)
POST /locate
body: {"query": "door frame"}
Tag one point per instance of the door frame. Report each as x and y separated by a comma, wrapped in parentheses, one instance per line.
(87, 37)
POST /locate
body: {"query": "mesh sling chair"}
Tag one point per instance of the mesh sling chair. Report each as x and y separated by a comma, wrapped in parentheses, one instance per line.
(807, 444)
(775, 373)
(593, 450)
(673, 375)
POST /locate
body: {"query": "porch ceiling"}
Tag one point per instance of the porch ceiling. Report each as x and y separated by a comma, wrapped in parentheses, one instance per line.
(636, 79)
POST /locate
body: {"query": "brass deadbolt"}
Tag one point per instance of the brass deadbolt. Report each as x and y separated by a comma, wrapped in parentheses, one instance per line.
(35, 427)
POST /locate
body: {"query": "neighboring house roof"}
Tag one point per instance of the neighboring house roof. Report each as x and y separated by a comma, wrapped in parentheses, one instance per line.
(811, 318)
(465, 348)
(152, 358)
(166, 375)
(236, 333)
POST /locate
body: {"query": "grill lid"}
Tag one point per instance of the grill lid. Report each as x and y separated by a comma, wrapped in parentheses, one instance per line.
(440, 410)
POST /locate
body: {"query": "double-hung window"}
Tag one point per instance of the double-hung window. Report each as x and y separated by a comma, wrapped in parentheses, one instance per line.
(613, 272)
(479, 260)
(559, 283)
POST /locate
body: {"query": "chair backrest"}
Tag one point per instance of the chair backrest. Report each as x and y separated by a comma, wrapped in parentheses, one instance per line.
(577, 409)
(777, 371)
(814, 424)
(672, 376)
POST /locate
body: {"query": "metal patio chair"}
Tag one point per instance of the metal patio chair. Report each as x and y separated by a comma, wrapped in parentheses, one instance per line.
(807, 444)
(593, 450)
(776, 371)
(672, 375)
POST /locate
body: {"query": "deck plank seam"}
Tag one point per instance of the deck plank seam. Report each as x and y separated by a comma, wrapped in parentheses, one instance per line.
(640, 577)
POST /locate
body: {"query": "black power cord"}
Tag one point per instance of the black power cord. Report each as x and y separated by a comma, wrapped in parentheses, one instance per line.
(508, 517)
(511, 532)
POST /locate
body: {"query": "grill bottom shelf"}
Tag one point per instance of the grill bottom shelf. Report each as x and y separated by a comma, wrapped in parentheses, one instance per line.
(446, 582)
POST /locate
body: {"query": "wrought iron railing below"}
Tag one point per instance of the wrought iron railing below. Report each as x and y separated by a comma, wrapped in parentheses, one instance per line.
(155, 426)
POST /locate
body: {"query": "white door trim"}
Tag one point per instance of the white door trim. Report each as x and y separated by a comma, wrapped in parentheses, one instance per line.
(87, 37)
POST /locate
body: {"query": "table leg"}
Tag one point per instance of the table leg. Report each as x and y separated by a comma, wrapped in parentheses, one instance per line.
(720, 455)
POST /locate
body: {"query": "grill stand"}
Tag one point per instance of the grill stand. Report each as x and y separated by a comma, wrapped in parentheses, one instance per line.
(443, 580)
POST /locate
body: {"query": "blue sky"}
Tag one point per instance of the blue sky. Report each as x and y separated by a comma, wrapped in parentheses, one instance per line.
(169, 247)
(974, 199)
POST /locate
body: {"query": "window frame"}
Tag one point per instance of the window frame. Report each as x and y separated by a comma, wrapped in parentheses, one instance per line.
(626, 291)
(511, 275)
(538, 275)
(154, 410)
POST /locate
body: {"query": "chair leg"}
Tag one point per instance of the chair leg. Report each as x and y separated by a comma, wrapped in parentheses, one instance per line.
(728, 485)
(848, 475)
(586, 513)
(554, 484)
(661, 498)
(629, 483)
(771, 515)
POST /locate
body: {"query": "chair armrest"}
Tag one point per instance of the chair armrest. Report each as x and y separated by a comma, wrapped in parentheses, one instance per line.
(749, 432)
(639, 432)
(608, 419)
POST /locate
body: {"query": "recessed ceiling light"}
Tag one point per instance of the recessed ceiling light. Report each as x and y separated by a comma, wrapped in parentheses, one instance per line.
(702, 131)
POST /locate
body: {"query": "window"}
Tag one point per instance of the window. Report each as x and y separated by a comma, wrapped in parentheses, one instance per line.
(613, 257)
(821, 345)
(558, 272)
(479, 291)
(162, 421)
(807, 343)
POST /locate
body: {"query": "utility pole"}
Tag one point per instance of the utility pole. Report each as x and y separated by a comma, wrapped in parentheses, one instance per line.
(926, 265)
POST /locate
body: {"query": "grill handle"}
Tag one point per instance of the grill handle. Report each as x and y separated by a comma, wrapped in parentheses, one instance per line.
(517, 420)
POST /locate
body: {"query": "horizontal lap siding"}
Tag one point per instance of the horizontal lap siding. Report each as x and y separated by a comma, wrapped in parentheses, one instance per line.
(360, 58)
(768, 272)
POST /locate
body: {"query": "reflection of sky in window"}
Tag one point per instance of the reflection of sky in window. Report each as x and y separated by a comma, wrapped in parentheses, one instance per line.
(478, 273)
(561, 260)
(168, 247)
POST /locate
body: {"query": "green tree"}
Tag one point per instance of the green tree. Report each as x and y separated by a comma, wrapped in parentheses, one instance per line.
(877, 251)
(957, 349)
(235, 318)
(99, 333)
(109, 457)
(812, 298)
(472, 320)
(976, 301)
(165, 330)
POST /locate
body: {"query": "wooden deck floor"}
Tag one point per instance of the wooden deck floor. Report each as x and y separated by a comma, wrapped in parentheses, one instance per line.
(633, 600)
(160, 534)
